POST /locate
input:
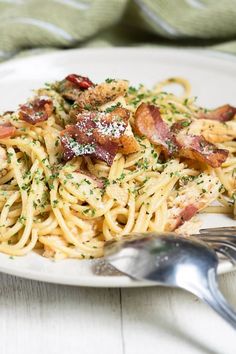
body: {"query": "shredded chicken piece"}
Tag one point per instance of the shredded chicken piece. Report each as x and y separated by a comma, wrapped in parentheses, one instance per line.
(101, 94)
(128, 143)
(191, 198)
(213, 131)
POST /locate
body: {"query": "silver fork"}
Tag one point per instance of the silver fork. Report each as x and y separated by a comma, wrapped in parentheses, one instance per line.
(222, 240)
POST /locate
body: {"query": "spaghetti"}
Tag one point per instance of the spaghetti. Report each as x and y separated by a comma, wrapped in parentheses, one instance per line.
(81, 164)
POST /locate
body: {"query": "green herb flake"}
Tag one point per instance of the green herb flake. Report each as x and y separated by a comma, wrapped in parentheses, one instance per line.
(108, 80)
(22, 219)
(55, 203)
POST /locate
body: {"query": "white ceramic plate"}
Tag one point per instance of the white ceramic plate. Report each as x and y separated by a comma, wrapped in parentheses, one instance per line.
(213, 80)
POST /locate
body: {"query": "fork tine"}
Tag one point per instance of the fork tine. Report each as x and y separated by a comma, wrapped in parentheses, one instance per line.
(224, 243)
(226, 254)
(227, 247)
(221, 239)
(222, 228)
(219, 230)
(216, 237)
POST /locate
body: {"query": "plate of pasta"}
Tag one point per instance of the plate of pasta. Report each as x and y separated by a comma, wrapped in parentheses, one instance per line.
(111, 142)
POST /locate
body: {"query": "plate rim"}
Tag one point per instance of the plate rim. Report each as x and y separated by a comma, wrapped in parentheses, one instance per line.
(200, 52)
(119, 281)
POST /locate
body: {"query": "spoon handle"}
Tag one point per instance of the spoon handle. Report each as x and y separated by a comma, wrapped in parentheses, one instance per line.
(217, 301)
(211, 295)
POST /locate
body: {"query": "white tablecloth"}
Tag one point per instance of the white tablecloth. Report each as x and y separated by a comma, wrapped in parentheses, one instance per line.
(38, 318)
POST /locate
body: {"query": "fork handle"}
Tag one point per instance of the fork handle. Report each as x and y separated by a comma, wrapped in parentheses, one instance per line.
(212, 296)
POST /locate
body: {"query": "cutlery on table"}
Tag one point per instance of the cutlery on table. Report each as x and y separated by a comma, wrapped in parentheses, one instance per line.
(171, 260)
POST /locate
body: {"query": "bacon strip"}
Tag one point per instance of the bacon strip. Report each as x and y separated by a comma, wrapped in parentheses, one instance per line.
(7, 112)
(80, 81)
(7, 130)
(36, 111)
(72, 86)
(197, 148)
(179, 216)
(186, 214)
(178, 126)
(96, 134)
(221, 114)
(148, 122)
(175, 140)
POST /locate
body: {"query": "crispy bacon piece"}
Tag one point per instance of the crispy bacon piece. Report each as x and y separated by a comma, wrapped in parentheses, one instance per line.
(96, 134)
(80, 81)
(197, 148)
(175, 140)
(181, 215)
(67, 90)
(36, 111)
(222, 114)
(186, 214)
(7, 112)
(148, 122)
(72, 86)
(181, 124)
(7, 130)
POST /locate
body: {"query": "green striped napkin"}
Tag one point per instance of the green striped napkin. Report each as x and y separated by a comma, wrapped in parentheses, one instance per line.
(46, 24)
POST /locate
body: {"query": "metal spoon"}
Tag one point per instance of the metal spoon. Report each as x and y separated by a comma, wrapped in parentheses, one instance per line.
(171, 260)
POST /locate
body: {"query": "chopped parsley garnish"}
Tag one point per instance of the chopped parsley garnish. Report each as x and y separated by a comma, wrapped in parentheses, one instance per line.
(88, 107)
(112, 108)
(108, 80)
(69, 176)
(185, 123)
(22, 219)
(55, 203)
(132, 90)
(122, 176)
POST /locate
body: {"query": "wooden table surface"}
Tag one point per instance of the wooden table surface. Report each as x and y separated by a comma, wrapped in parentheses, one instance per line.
(38, 318)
